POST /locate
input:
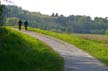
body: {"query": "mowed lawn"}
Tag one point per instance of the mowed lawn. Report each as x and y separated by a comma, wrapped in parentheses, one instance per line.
(95, 45)
(20, 52)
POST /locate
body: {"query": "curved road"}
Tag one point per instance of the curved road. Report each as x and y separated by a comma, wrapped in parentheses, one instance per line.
(74, 58)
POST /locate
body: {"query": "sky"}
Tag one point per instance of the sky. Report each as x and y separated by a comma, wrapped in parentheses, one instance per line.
(93, 8)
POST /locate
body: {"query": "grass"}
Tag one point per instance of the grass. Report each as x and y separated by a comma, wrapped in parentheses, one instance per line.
(100, 38)
(20, 52)
(95, 47)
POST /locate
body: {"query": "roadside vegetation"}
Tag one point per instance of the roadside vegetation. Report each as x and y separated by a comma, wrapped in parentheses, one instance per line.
(57, 22)
(95, 45)
(20, 52)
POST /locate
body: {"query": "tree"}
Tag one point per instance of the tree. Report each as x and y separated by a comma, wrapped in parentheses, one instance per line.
(2, 13)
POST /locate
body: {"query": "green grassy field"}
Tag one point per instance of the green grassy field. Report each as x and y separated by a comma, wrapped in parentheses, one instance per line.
(92, 44)
(20, 52)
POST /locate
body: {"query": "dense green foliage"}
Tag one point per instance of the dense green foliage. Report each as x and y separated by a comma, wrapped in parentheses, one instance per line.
(89, 43)
(2, 8)
(20, 52)
(60, 23)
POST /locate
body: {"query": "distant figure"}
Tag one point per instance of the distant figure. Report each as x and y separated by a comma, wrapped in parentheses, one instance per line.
(25, 25)
(19, 24)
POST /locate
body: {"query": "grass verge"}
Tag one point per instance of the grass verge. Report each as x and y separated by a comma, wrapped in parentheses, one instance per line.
(20, 52)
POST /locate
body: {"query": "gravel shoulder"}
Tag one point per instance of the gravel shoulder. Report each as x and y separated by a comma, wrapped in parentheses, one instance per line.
(74, 59)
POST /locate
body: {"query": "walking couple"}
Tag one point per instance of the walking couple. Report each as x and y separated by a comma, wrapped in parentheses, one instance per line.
(20, 24)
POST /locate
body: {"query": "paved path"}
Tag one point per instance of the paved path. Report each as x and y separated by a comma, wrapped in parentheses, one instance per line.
(74, 58)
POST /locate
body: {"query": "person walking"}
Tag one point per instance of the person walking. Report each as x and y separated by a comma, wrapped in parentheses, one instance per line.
(19, 24)
(25, 25)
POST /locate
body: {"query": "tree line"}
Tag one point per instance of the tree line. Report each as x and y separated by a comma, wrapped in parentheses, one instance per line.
(56, 22)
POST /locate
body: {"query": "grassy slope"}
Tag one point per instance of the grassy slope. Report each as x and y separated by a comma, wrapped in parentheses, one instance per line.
(95, 47)
(20, 52)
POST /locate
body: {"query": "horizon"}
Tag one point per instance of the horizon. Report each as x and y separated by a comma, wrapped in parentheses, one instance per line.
(92, 8)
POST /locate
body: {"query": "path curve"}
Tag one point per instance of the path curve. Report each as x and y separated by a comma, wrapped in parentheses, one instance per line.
(74, 58)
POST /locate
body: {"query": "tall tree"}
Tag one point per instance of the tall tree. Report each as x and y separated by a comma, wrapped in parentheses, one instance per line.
(1, 14)
(3, 11)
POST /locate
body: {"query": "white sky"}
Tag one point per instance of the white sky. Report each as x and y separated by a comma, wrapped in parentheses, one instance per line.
(91, 8)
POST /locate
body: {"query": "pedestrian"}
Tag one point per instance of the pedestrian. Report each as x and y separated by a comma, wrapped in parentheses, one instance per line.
(19, 24)
(25, 25)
